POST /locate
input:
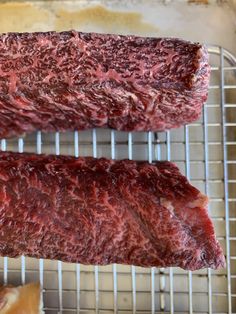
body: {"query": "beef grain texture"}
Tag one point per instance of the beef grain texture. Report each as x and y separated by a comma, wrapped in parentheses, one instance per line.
(100, 211)
(75, 81)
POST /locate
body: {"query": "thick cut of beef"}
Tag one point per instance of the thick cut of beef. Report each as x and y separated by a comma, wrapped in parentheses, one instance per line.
(75, 81)
(100, 211)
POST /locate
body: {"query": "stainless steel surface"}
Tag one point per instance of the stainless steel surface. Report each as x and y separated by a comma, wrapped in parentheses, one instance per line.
(203, 150)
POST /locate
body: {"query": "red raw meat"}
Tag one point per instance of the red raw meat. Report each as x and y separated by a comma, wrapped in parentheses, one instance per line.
(100, 211)
(75, 81)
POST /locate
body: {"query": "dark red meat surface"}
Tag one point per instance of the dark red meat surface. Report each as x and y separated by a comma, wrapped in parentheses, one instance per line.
(70, 80)
(100, 211)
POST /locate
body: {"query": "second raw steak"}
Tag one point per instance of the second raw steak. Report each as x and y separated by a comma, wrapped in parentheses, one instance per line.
(100, 211)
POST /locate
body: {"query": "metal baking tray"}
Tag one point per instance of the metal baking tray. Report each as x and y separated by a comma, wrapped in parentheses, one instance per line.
(205, 151)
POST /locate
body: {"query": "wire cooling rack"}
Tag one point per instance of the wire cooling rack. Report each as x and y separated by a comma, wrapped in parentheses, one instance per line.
(206, 152)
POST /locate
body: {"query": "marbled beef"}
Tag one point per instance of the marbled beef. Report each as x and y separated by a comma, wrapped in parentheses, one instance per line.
(100, 211)
(75, 81)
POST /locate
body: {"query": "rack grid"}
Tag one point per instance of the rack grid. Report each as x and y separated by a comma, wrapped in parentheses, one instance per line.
(205, 151)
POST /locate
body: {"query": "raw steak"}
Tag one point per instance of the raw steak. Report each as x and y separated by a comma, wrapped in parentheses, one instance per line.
(75, 81)
(100, 211)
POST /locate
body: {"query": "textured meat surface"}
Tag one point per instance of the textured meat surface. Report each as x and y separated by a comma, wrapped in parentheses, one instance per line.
(70, 80)
(100, 211)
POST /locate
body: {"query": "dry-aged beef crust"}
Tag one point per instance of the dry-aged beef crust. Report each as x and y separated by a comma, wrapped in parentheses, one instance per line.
(74, 81)
(100, 211)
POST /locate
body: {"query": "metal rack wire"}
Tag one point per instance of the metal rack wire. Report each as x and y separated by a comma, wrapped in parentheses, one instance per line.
(205, 156)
